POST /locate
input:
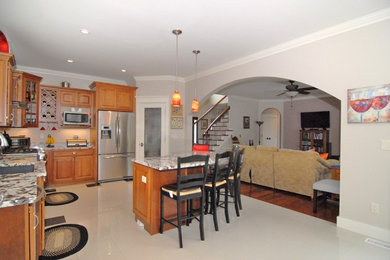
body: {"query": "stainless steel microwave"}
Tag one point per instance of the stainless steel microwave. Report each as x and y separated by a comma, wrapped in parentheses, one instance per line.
(76, 118)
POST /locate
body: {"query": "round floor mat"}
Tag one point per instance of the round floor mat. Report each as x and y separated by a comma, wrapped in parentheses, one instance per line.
(63, 240)
(60, 198)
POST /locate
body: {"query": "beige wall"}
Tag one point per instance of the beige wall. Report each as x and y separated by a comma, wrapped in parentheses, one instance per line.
(353, 59)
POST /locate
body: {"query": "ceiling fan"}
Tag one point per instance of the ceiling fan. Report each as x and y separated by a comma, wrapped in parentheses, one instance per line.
(292, 90)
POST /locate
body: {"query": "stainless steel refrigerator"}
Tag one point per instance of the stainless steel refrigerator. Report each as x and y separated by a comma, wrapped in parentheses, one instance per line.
(116, 145)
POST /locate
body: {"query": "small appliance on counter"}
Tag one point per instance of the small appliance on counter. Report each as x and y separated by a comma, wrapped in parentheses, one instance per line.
(20, 141)
(50, 141)
(76, 143)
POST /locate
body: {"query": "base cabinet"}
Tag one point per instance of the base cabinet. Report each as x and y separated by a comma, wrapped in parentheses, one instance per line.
(22, 231)
(71, 166)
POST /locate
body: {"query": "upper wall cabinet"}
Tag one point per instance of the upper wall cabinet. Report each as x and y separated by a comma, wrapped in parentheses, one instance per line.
(7, 61)
(25, 99)
(114, 97)
(75, 98)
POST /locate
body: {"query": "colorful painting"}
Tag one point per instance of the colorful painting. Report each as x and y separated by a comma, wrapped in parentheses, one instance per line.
(369, 105)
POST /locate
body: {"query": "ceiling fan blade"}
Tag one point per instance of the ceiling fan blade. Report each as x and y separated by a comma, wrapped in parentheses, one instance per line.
(308, 88)
(301, 91)
(284, 92)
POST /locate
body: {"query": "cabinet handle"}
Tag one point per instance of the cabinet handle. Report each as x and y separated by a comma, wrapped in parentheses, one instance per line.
(73, 153)
(36, 221)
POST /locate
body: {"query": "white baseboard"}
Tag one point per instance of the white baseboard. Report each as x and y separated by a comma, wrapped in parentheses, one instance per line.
(364, 229)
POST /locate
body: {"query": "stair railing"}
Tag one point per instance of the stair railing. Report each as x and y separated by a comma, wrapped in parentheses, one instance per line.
(210, 109)
(216, 120)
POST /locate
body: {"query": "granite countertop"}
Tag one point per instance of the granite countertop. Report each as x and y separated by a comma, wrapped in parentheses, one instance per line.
(19, 188)
(59, 146)
(165, 163)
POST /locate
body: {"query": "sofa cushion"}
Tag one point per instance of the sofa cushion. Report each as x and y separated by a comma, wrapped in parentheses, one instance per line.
(249, 160)
(266, 148)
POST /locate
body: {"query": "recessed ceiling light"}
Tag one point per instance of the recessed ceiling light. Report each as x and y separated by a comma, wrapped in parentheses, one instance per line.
(84, 31)
(70, 60)
(123, 70)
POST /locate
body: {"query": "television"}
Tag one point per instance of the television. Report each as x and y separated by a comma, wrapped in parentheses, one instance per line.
(318, 119)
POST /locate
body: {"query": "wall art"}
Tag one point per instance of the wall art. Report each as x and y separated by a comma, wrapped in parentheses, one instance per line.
(369, 104)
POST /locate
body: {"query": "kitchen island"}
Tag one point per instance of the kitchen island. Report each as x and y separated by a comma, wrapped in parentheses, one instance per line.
(21, 208)
(149, 174)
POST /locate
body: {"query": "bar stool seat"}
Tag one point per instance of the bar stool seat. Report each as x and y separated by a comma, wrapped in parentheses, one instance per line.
(327, 186)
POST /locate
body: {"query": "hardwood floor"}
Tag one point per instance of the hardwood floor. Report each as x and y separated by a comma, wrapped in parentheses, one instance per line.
(303, 204)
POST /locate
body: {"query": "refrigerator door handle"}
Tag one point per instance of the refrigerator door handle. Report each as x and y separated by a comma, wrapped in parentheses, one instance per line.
(117, 133)
(117, 156)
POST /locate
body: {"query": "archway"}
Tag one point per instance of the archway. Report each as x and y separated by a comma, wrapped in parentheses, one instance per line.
(270, 130)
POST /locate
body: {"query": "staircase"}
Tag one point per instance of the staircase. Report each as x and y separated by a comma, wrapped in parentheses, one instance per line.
(218, 133)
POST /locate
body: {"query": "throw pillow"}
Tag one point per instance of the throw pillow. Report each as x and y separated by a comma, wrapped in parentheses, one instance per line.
(324, 155)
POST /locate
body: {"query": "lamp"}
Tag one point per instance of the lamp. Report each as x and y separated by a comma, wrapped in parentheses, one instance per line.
(259, 123)
(292, 93)
(176, 98)
(195, 102)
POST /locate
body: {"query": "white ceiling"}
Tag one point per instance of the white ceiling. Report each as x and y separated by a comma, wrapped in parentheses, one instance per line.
(136, 34)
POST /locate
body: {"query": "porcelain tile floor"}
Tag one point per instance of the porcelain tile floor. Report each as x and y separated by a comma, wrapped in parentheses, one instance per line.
(264, 231)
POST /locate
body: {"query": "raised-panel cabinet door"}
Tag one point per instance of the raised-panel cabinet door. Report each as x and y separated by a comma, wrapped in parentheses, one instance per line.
(106, 98)
(84, 99)
(68, 98)
(63, 169)
(124, 99)
(83, 166)
(142, 187)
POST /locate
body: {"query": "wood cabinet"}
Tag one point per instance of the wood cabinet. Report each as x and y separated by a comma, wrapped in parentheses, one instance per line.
(71, 166)
(7, 62)
(114, 97)
(75, 98)
(25, 99)
(314, 139)
(22, 230)
(55, 100)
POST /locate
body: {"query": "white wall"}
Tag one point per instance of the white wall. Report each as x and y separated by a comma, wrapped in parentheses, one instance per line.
(240, 107)
(352, 59)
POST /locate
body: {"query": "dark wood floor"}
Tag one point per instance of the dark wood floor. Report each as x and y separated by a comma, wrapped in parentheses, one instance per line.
(326, 211)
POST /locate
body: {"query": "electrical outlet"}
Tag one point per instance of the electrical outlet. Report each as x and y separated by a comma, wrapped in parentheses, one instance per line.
(374, 208)
(385, 145)
(41, 136)
(143, 179)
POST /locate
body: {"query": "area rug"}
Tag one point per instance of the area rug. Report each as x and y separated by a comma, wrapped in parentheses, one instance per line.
(60, 198)
(63, 240)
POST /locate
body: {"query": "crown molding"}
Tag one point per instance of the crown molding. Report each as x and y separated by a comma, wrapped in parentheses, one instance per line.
(351, 25)
(68, 74)
(159, 78)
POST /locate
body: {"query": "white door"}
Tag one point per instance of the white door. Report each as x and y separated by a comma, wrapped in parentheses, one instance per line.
(152, 131)
(271, 128)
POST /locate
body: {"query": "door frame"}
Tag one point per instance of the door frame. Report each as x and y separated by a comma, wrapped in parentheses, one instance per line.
(143, 102)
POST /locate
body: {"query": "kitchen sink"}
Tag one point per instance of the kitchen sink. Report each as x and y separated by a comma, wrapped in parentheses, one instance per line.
(17, 169)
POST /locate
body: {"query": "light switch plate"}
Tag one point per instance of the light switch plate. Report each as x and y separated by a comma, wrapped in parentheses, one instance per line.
(385, 145)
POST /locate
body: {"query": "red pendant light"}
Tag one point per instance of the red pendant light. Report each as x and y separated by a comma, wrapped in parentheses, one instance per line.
(195, 102)
(3, 43)
(176, 99)
(195, 105)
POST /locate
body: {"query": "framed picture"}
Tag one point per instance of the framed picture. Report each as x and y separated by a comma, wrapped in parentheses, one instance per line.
(369, 104)
(204, 123)
(177, 111)
(177, 122)
(245, 122)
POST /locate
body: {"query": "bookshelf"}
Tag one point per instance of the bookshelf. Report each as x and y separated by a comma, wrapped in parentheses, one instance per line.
(314, 139)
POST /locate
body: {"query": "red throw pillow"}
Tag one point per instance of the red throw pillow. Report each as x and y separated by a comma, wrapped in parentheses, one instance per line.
(324, 156)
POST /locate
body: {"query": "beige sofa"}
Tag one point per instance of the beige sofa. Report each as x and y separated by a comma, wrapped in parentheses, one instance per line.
(284, 169)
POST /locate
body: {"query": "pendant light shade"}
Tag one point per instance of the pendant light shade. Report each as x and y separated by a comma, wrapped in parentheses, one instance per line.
(3, 43)
(195, 102)
(176, 98)
(195, 105)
